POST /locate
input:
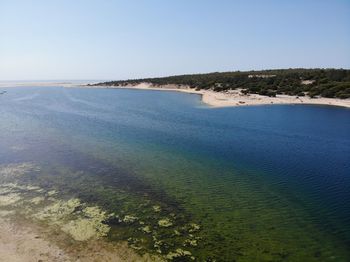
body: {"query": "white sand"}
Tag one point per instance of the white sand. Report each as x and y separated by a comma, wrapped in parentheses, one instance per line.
(211, 98)
(236, 98)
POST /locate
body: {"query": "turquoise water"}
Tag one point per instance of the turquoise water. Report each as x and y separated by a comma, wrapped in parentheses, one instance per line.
(269, 183)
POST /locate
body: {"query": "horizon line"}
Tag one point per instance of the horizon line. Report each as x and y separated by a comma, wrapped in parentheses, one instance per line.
(169, 75)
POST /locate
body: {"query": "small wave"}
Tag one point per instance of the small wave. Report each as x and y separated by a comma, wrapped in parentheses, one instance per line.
(23, 98)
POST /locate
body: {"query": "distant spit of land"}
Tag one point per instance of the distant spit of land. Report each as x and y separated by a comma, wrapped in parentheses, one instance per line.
(282, 86)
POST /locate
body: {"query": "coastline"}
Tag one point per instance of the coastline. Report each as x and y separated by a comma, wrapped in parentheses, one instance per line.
(24, 241)
(231, 98)
(234, 98)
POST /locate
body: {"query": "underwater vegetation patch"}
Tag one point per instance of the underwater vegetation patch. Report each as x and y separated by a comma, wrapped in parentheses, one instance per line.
(148, 226)
(85, 206)
(165, 222)
(90, 224)
(77, 219)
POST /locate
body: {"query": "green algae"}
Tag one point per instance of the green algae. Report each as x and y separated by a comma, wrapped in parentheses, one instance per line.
(164, 231)
(129, 219)
(135, 215)
(146, 229)
(83, 222)
(58, 211)
(157, 208)
(90, 225)
(194, 228)
(81, 225)
(77, 219)
(165, 222)
(83, 229)
(178, 254)
(191, 242)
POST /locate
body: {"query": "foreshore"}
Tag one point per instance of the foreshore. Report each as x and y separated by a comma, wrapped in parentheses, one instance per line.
(28, 242)
(230, 98)
(233, 98)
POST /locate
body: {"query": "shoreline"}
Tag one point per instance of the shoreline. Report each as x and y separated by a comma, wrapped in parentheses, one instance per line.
(230, 98)
(25, 241)
(234, 98)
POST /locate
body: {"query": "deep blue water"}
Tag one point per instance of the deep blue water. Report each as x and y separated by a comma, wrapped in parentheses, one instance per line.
(293, 158)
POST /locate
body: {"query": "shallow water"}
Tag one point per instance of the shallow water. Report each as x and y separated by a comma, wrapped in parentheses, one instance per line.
(252, 183)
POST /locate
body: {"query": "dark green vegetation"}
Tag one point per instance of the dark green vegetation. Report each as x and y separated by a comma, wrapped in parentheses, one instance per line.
(331, 83)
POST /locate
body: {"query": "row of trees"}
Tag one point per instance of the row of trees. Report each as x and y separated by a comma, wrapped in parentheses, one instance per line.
(300, 82)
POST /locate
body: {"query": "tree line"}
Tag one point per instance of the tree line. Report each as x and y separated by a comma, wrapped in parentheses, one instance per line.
(331, 83)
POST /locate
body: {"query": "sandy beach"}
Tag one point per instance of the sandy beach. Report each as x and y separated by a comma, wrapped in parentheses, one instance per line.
(233, 98)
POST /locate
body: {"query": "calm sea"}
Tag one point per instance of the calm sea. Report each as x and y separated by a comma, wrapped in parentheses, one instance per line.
(259, 183)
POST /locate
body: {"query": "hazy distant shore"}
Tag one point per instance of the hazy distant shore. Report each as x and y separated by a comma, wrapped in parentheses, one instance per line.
(9, 84)
(234, 98)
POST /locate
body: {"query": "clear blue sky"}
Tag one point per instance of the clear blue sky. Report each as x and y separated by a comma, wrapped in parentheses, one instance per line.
(97, 39)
